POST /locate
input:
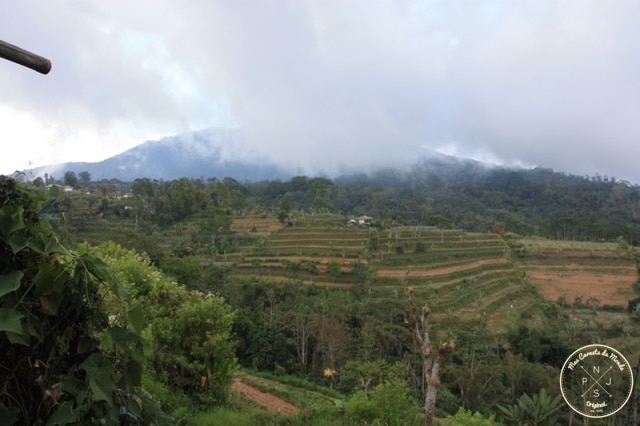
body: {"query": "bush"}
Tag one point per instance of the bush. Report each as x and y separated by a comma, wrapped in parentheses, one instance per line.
(447, 402)
(66, 361)
(190, 331)
(466, 418)
(390, 403)
(539, 409)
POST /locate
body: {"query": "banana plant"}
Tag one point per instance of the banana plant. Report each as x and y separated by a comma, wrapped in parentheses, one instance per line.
(536, 410)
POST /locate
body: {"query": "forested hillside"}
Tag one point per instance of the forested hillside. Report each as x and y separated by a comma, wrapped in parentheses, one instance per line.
(440, 191)
(518, 267)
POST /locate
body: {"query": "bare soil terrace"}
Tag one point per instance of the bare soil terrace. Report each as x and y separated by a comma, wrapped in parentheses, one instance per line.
(271, 402)
(611, 286)
(408, 272)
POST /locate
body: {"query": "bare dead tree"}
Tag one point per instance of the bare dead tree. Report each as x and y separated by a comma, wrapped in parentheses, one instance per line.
(431, 363)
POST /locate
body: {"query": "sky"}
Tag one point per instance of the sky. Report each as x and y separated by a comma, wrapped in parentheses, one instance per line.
(329, 84)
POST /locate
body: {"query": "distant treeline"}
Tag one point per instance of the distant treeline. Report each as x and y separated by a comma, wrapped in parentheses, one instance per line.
(444, 193)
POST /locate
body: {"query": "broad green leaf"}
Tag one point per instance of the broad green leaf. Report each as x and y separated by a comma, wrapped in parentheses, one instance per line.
(17, 241)
(136, 317)
(18, 339)
(63, 415)
(45, 244)
(99, 373)
(10, 282)
(95, 266)
(116, 287)
(121, 337)
(138, 352)
(34, 326)
(11, 220)
(49, 303)
(49, 279)
(101, 271)
(133, 373)
(84, 344)
(10, 320)
(8, 414)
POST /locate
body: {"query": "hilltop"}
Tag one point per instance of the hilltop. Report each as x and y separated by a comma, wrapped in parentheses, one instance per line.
(206, 153)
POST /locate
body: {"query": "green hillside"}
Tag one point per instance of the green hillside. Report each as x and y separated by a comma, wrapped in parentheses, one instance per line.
(472, 274)
(313, 293)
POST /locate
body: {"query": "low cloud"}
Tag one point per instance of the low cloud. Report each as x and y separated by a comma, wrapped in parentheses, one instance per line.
(324, 85)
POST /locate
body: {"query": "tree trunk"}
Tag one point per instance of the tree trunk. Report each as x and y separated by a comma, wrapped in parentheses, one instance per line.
(420, 329)
(429, 405)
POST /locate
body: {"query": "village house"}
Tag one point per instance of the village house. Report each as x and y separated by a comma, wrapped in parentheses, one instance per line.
(361, 221)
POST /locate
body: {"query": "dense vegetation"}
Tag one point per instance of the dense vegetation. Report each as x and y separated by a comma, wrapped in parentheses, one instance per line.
(444, 192)
(273, 278)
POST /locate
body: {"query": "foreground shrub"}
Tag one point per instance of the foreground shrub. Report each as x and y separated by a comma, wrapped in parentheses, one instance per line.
(389, 403)
(190, 331)
(62, 360)
(467, 418)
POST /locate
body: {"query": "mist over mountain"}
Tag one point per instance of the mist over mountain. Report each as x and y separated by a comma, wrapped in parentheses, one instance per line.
(220, 153)
(469, 194)
(207, 153)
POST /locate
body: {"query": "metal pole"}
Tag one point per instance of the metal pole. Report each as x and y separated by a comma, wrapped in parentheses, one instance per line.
(25, 58)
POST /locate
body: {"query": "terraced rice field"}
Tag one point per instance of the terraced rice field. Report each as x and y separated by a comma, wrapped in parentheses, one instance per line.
(602, 272)
(466, 274)
(463, 273)
(255, 225)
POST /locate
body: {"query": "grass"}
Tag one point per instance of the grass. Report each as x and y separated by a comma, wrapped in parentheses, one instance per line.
(301, 393)
(545, 244)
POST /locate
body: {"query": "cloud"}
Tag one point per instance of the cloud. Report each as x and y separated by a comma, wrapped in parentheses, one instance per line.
(324, 85)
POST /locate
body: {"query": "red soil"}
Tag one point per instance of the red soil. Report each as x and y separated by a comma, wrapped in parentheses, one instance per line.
(613, 287)
(267, 400)
(437, 271)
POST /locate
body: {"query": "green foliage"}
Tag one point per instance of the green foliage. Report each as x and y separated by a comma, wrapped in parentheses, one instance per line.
(142, 187)
(333, 270)
(63, 360)
(70, 179)
(190, 330)
(389, 403)
(84, 178)
(447, 403)
(467, 418)
(283, 216)
(536, 410)
(186, 270)
(544, 345)
(364, 375)
(288, 323)
(359, 409)
(192, 346)
(440, 221)
(224, 416)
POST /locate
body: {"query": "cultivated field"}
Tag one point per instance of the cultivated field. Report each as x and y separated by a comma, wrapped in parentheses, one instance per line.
(589, 273)
(457, 273)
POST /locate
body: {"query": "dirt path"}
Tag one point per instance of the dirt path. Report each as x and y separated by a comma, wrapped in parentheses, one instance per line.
(267, 400)
(407, 272)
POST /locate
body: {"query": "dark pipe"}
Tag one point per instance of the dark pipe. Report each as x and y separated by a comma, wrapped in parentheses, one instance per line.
(25, 58)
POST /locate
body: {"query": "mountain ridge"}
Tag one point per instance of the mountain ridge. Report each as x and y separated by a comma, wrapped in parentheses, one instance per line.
(194, 154)
(220, 153)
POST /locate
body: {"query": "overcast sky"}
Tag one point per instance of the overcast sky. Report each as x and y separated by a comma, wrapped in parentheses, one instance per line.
(329, 83)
